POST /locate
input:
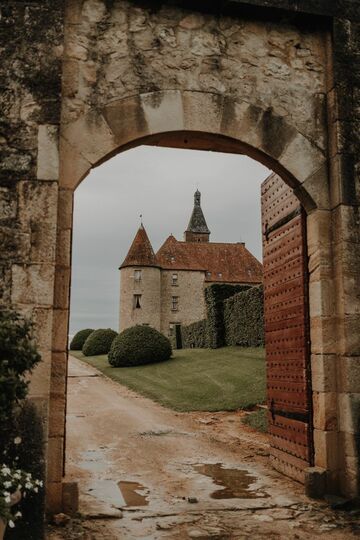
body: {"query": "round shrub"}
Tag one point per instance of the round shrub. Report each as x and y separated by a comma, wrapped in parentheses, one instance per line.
(79, 339)
(99, 342)
(139, 345)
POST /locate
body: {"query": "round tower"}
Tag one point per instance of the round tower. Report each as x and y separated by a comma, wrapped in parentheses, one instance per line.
(140, 285)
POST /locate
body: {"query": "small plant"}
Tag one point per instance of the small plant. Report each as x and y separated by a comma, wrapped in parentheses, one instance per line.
(15, 484)
(99, 342)
(18, 357)
(139, 345)
(79, 339)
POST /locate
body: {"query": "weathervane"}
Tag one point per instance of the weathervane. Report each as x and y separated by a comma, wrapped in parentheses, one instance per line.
(141, 221)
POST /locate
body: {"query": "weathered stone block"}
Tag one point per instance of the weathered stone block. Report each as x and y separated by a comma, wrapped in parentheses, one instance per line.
(321, 298)
(73, 166)
(43, 241)
(163, 111)
(62, 288)
(38, 202)
(40, 377)
(323, 372)
(60, 330)
(302, 158)
(55, 461)
(70, 499)
(91, 136)
(53, 497)
(202, 112)
(349, 412)
(325, 410)
(42, 320)
(48, 153)
(349, 374)
(326, 449)
(65, 209)
(33, 284)
(315, 482)
(324, 339)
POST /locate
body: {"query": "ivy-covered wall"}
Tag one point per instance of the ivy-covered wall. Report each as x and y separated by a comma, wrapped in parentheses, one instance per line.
(235, 316)
(214, 299)
(195, 335)
(244, 318)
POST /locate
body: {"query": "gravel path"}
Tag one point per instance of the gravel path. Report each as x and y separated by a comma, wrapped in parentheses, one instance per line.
(151, 473)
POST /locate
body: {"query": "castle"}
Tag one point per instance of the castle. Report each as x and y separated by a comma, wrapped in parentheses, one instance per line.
(166, 289)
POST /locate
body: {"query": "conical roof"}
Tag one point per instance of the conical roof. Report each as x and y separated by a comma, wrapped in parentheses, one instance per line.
(141, 252)
(197, 223)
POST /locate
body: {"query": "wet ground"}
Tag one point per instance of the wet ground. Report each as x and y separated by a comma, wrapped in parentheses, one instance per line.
(150, 473)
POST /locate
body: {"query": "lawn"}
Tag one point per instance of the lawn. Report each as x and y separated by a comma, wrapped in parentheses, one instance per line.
(196, 379)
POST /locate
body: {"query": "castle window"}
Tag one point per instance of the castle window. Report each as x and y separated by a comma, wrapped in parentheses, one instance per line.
(175, 303)
(137, 275)
(174, 279)
(220, 274)
(137, 301)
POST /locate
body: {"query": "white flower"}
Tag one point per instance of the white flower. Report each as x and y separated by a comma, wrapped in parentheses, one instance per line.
(7, 484)
(18, 514)
(17, 476)
(7, 499)
(28, 485)
(17, 440)
(36, 489)
(11, 524)
(5, 470)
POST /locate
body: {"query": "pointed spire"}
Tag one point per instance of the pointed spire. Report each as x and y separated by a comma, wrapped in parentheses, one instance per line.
(197, 230)
(141, 252)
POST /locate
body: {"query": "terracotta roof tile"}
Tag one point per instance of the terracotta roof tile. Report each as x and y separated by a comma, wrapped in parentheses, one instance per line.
(141, 252)
(229, 263)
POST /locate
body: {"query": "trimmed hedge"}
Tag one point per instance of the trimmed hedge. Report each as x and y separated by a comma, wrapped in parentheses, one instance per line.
(195, 335)
(214, 299)
(79, 339)
(139, 345)
(99, 342)
(244, 318)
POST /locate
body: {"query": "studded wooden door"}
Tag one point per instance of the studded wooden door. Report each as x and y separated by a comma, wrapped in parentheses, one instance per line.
(286, 328)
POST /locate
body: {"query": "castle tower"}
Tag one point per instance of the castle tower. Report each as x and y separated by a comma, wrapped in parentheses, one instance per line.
(140, 282)
(197, 230)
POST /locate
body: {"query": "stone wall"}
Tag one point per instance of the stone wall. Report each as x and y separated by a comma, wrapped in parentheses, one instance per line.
(278, 86)
(149, 287)
(189, 290)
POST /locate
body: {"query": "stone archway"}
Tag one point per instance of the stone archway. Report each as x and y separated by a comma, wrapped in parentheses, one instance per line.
(271, 84)
(167, 119)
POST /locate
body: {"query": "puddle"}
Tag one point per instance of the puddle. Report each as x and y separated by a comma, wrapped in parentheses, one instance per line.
(129, 491)
(235, 482)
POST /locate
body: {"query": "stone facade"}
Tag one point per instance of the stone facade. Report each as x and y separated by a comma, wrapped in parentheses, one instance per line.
(148, 288)
(191, 302)
(277, 80)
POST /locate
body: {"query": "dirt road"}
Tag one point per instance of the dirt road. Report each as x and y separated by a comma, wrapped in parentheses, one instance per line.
(150, 473)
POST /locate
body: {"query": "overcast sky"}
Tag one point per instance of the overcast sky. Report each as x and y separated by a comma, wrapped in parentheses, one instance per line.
(158, 183)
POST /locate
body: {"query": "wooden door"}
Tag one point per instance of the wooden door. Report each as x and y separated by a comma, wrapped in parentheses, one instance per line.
(286, 328)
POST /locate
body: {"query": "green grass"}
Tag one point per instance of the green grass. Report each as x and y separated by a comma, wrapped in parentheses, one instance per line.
(196, 379)
(257, 420)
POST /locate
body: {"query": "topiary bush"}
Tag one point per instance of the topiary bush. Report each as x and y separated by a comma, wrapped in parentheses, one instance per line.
(79, 339)
(139, 345)
(99, 342)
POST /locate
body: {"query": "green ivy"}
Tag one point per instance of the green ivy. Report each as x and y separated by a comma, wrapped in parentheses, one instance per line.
(214, 298)
(244, 318)
(195, 335)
